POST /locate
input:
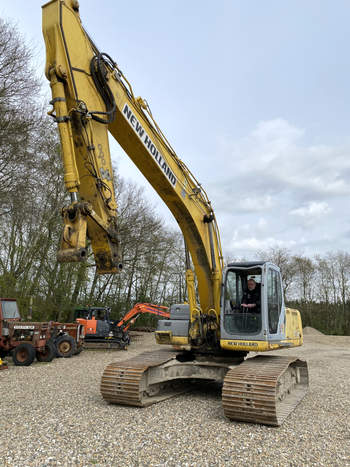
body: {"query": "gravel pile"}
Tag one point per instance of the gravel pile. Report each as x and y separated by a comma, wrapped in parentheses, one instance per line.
(53, 415)
(308, 330)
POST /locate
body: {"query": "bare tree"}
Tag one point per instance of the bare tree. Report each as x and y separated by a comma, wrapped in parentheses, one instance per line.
(19, 112)
(283, 258)
(305, 271)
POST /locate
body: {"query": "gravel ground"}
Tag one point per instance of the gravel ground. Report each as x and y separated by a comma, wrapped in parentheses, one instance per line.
(52, 414)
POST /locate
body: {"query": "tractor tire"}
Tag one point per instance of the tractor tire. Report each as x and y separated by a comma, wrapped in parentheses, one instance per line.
(23, 354)
(65, 346)
(48, 354)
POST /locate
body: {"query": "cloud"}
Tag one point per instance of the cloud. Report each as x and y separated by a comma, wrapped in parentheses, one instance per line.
(255, 203)
(229, 198)
(311, 214)
(300, 191)
(275, 136)
(273, 159)
(253, 244)
(312, 210)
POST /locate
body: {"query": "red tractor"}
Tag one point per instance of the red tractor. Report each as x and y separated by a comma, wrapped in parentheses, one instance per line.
(23, 340)
(26, 340)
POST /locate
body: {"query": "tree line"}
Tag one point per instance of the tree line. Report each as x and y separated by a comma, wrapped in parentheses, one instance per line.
(32, 195)
(319, 287)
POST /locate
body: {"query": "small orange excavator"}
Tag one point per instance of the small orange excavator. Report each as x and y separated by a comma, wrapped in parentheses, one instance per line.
(103, 332)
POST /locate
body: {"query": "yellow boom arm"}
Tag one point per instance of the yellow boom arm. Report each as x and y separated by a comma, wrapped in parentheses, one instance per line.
(91, 96)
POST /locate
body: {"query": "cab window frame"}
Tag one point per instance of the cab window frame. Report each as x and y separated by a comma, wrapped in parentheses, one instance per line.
(236, 322)
(274, 299)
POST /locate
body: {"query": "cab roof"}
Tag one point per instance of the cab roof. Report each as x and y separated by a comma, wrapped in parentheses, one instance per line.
(247, 264)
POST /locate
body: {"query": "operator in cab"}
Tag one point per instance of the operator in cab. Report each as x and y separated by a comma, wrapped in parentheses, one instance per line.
(251, 301)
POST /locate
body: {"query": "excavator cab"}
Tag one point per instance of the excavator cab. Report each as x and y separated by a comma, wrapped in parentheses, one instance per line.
(242, 307)
(267, 323)
(90, 313)
(96, 322)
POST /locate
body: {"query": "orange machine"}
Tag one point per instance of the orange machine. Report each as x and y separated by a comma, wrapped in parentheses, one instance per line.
(103, 332)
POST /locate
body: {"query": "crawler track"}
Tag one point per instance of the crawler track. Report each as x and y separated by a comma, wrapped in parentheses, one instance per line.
(103, 345)
(264, 389)
(125, 382)
(259, 390)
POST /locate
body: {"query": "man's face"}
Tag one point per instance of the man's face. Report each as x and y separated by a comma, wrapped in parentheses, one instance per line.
(251, 285)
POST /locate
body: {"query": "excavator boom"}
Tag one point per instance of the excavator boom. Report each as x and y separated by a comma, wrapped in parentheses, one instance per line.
(91, 96)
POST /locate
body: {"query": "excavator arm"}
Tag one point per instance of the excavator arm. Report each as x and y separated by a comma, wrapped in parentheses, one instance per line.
(92, 97)
(139, 309)
(82, 119)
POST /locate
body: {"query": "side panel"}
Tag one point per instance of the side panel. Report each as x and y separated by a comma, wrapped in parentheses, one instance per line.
(258, 346)
(294, 327)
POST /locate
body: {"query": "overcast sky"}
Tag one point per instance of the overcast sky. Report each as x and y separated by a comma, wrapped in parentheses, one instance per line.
(253, 96)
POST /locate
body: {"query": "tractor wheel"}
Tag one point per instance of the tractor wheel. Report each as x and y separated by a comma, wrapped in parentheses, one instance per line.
(23, 354)
(48, 354)
(65, 346)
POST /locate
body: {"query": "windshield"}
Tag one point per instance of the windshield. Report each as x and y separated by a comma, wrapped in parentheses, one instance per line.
(9, 309)
(242, 313)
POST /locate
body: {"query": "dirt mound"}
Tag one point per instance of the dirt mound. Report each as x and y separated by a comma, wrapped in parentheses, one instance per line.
(309, 331)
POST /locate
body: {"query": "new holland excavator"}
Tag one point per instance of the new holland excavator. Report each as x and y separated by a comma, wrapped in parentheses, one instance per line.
(208, 339)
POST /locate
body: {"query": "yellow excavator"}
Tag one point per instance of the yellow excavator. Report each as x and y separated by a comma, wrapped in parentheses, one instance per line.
(205, 339)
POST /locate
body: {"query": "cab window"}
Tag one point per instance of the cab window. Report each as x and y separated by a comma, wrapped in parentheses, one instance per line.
(238, 319)
(233, 290)
(274, 299)
(9, 309)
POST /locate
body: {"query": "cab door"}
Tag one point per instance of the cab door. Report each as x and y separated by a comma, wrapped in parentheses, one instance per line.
(275, 304)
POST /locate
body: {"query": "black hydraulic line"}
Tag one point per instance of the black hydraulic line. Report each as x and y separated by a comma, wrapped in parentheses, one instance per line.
(187, 256)
(98, 68)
